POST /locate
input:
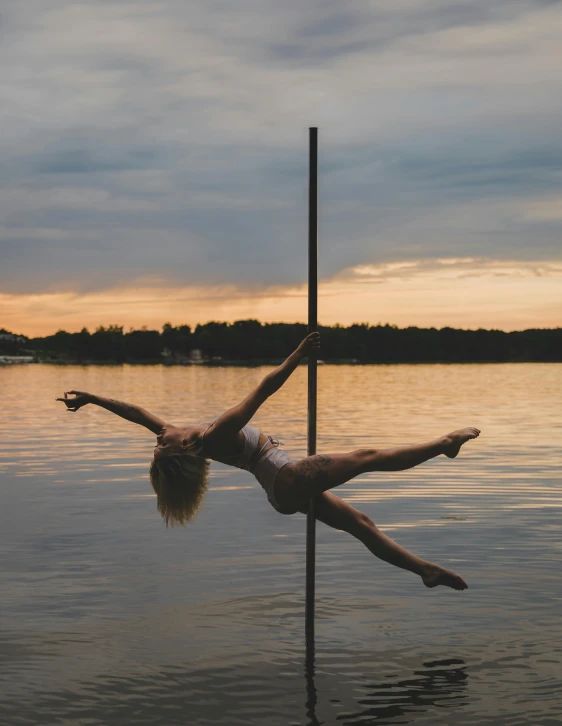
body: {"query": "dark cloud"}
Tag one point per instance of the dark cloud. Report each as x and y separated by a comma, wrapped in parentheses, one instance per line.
(327, 31)
(84, 161)
(170, 139)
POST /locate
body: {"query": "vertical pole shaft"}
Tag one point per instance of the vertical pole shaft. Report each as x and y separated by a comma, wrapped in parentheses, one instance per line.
(312, 375)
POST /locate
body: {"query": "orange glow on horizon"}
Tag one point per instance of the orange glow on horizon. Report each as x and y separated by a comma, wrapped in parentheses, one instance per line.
(455, 293)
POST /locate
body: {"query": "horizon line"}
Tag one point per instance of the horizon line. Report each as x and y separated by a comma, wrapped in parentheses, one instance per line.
(255, 320)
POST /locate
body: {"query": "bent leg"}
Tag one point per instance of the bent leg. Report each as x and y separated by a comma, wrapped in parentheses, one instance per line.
(338, 514)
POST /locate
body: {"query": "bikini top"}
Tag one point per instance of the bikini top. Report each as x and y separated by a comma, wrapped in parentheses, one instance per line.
(235, 458)
(249, 454)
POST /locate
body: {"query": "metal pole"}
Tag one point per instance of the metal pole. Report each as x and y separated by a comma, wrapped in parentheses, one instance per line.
(312, 377)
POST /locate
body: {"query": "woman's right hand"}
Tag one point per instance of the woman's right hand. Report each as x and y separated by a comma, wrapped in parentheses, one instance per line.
(81, 398)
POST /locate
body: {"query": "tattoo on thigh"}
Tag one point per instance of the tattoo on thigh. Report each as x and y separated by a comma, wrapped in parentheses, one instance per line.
(313, 468)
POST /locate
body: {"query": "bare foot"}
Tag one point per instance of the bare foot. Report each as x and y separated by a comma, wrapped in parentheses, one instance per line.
(453, 442)
(436, 575)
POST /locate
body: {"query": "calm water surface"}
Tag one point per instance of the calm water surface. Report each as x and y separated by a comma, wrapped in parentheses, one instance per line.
(107, 617)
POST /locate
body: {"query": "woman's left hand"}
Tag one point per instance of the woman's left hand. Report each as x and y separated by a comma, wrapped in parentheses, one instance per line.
(311, 344)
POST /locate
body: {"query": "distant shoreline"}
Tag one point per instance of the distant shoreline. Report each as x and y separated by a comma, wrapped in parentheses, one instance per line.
(273, 362)
(251, 343)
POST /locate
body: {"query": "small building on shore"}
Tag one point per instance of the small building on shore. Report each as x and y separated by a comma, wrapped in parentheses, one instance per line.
(8, 360)
(196, 357)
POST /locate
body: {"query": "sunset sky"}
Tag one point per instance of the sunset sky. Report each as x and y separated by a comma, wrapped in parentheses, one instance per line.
(154, 162)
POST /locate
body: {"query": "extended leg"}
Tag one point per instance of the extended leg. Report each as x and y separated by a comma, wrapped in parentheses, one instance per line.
(406, 457)
(336, 513)
(313, 475)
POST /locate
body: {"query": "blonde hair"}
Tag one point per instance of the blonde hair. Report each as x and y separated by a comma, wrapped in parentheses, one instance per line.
(180, 482)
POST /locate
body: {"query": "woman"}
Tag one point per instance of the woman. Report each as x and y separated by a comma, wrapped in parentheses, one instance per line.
(179, 470)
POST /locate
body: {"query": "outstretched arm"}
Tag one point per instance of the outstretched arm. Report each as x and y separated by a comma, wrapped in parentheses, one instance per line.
(128, 411)
(237, 417)
(274, 380)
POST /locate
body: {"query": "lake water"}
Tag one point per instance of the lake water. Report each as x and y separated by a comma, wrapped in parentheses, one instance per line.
(107, 617)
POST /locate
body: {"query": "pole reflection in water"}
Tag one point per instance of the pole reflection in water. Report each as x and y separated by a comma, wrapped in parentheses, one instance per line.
(309, 667)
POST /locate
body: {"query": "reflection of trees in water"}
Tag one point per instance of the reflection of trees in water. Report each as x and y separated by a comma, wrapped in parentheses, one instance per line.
(437, 682)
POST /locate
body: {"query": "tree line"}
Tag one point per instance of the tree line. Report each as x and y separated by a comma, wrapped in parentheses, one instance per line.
(249, 341)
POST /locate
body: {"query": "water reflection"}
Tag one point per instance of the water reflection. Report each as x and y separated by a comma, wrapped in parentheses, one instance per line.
(309, 674)
(108, 618)
(244, 693)
(438, 684)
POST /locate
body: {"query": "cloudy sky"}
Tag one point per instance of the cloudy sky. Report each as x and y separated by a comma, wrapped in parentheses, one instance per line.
(154, 161)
